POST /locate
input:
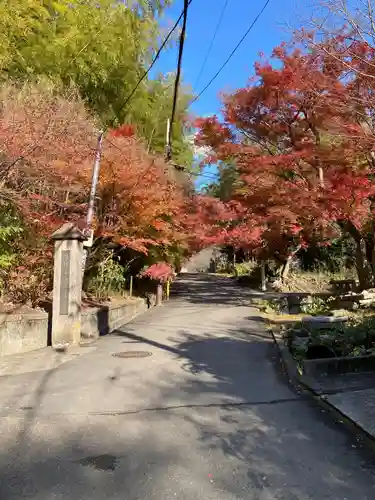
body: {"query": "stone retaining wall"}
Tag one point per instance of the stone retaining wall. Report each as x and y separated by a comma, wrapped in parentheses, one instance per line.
(101, 320)
(20, 333)
(23, 332)
(333, 366)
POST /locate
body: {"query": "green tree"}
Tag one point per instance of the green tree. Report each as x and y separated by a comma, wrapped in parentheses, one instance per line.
(10, 229)
(155, 109)
(99, 47)
(227, 182)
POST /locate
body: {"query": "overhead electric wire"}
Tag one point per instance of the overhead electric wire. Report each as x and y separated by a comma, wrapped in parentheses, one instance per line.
(178, 76)
(156, 57)
(206, 176)
(210, 176)
(211, 44)
(232, 53)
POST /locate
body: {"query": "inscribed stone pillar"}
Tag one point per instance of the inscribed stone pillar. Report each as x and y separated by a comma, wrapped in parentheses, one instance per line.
(67, 286)
(159, 294)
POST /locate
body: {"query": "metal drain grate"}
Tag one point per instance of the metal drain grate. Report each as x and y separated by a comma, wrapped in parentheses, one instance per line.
(132, 354)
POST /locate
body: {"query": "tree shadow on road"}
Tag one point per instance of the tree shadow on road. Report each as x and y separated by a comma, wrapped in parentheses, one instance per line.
(83, 461)
(274, 436)
(232, 390)
(288, 447)
(226, 405)
(206, 289)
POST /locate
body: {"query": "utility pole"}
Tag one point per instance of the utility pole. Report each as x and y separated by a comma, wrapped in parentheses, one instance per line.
(168, 149)
(91, 208)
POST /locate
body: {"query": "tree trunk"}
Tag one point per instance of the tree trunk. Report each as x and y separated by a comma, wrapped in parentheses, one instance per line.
(321, 177)
(263, 284)
(363, 265)
(373, 260)
(286, 266)
(370, 246)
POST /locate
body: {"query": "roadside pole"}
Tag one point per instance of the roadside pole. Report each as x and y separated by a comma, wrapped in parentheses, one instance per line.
(91, 207)
(263, 285)
(168, 149)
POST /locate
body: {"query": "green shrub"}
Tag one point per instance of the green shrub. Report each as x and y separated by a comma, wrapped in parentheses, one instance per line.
(10, 229)
(354, 338)
(315, 306)
(273, 306)
(245, 268)
(108, 280)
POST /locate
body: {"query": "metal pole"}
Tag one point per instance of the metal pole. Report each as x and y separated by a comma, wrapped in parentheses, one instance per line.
(91, 207)
(94, 181)
(131, 286)
(168, 141)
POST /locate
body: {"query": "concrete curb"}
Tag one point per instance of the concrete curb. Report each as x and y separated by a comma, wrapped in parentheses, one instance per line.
(302, 382)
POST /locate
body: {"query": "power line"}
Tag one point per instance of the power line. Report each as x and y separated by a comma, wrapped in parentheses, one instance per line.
(156, 57)
(180, 168)
(183, 16)
(178, 76)
(232, 53)
(212, 177)
(146, 72)
(211, 44)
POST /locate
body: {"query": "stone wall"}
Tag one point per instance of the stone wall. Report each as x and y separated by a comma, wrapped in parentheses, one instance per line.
(20, 333)
(104, 319)
(333, 366)
(352, 300)
(23, 332)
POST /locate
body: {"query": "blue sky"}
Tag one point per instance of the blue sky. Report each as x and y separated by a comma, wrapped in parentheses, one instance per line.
(274, 26)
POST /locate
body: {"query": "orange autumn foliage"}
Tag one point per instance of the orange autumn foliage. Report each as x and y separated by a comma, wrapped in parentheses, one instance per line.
(47, 152)
(139, 205)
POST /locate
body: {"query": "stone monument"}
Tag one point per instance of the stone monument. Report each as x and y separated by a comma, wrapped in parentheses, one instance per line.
(67, 286)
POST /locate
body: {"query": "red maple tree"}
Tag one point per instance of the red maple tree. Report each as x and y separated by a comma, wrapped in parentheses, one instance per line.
(48, 147)
(304, 156)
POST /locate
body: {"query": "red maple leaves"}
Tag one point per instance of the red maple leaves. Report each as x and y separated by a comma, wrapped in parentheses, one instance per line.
(123, 131)
(300, 138)
(48, 149)
(160, 272)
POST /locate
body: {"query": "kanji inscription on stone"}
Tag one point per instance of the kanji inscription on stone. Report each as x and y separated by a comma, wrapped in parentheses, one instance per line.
(65, 282)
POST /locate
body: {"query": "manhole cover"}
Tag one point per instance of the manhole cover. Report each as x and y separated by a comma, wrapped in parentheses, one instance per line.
(132, 354)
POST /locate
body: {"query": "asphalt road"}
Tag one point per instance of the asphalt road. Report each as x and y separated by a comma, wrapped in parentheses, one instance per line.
(206, 416)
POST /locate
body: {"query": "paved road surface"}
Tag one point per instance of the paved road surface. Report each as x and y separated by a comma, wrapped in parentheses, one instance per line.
(206, 417)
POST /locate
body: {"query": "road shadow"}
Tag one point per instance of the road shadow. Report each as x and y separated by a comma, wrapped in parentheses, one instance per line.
(229, 404)
(237, 397)
(81, 461)
(208, 289)
(211, 289)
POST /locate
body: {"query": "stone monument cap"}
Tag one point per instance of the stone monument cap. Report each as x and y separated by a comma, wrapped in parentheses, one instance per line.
(68, 231)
